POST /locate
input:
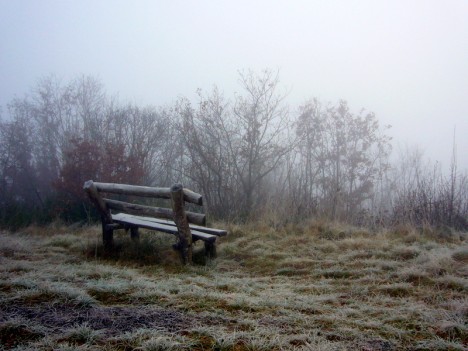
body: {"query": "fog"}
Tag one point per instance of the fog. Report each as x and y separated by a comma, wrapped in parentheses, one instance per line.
(405, 61)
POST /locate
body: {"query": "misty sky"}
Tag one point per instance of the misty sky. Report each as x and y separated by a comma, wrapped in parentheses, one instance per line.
(407, 61)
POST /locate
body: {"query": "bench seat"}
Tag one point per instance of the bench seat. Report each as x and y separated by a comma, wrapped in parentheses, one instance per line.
(167, 226)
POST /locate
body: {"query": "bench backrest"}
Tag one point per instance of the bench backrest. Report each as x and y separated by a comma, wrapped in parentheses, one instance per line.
(104, 205)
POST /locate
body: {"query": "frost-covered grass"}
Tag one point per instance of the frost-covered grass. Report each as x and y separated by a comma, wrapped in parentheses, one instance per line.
(314, 287)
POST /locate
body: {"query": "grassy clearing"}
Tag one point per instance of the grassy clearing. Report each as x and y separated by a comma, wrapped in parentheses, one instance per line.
(316, 287)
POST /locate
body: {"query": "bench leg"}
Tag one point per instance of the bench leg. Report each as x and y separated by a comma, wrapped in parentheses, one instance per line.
(134, 234)
(107, 236)
(185, 251)
(210, 249)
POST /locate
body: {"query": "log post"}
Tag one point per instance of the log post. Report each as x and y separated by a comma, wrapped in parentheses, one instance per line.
(134, 234)
(106, 218)
(210, 250)
(180, 219)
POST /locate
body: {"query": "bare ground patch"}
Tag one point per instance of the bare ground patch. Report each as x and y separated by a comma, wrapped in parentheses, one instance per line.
(107, 320)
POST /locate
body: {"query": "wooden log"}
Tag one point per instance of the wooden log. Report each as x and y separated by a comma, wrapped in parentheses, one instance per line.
(114, 226)
(146, 191)
(180, 219)
(134, 234)
(210, 249)
(97, 200)
(106, 218)
(128, 220)
(107, 236)
(212, 231)
(192, 217)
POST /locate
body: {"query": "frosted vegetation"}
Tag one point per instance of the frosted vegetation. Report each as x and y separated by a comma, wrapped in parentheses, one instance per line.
(311, 287)
(251, 156)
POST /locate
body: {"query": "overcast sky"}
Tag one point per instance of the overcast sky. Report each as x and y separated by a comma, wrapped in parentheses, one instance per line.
(407, 61)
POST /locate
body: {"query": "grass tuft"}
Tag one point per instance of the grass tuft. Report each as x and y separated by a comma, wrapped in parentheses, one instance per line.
(81, 334)
(461, 255)
(397, 290)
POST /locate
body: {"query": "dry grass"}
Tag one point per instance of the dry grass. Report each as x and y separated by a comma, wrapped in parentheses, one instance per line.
(314, 287)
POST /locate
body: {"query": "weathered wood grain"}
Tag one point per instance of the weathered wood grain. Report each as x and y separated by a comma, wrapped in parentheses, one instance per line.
(147, 191)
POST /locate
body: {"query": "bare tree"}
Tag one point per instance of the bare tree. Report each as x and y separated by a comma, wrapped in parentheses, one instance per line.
(207, 132)
(258, 143)
(425, 195)
(143, 131)
(343, 154)
(233, 147)
(18, 182)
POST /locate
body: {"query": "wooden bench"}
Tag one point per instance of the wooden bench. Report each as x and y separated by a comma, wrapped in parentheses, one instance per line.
(187, 226)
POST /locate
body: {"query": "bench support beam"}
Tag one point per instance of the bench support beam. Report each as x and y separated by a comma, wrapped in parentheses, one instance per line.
(134, 233)
(106, 218)
(180, 219)
(210, 249)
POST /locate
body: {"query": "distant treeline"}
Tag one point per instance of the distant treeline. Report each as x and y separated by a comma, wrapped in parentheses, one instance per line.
(251, 156)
